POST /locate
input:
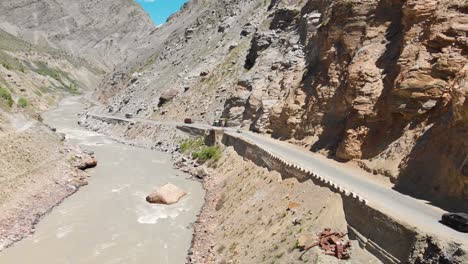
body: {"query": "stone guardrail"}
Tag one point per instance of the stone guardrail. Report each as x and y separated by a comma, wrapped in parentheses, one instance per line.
(374, 230)
(330, 184)
(301, 172)
(388, 239)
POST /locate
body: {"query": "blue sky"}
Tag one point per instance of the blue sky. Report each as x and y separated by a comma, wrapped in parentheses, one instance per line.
(160, 10)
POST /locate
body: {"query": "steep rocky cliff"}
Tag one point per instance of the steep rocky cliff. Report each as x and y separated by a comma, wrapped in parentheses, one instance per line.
(380, 82)
(106, 33)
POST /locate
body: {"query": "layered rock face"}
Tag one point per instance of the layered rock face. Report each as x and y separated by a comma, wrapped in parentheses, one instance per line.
(106, 33)
(381, 82)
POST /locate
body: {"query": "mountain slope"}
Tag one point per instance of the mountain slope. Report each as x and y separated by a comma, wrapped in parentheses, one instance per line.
(105, 33)
(36, 169)
(380, 82)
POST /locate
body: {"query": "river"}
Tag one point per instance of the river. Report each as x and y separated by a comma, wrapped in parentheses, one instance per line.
(109, 220)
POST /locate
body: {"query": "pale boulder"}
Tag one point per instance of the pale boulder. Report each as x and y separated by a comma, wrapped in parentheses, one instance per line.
(167, 194)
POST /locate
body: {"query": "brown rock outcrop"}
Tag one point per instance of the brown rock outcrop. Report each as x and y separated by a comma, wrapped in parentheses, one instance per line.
(376, 81)
(84, 161)
(167, 96)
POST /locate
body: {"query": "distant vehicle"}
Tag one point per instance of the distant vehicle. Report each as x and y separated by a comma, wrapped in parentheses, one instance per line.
(128, 115)
(220, 122)
(458, 221)
(188, 121)
(217, 123)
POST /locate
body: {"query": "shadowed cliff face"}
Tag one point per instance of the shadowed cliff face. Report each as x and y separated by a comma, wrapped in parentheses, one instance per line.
(381, 82)
(106, 33)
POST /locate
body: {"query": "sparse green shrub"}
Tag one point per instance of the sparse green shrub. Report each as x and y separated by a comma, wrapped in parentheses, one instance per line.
(5, 95)
(73, 89)
(7, 66)
(233, 246)
(23, 102)
(199, 150)
(49, 72)
(208, 153)
(296, 245)
(280, 255)
(10, 63)
(45, 70)
(67, 83)
(191, 144)
(221, 249)
(73, 158)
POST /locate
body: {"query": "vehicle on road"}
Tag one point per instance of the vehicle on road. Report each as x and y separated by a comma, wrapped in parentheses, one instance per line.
(217, 123)
(188, 121)
(128, 115)
(220, 122)
(458, 221)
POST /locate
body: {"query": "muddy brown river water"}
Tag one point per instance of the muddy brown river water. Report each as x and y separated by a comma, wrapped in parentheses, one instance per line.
(109, 220)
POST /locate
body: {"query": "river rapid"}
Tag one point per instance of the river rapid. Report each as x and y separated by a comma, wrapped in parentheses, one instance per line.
(109, 220)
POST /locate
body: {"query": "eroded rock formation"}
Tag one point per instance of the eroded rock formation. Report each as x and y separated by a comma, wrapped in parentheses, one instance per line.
(381, 82)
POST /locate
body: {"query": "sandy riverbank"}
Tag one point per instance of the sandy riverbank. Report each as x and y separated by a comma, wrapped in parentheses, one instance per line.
(38, 171)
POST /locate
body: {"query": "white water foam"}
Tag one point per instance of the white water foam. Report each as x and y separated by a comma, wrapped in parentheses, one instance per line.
(120, 188)
(103, 247)
(151, 215)
(63, 231)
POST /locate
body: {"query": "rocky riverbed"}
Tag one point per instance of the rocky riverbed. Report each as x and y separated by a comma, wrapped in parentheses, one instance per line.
(109, 221)
(33, 182)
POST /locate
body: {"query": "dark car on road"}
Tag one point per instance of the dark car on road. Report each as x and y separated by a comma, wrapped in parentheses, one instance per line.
(458, 221)
(188, 121)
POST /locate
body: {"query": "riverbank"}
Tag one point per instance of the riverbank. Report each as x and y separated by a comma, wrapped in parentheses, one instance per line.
(224, 233)
(124, 227)
(375, 231)
(38, 172)
(252, 215)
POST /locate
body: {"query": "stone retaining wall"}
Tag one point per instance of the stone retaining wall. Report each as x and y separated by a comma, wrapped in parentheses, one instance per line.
(388, 239)
(385, 237)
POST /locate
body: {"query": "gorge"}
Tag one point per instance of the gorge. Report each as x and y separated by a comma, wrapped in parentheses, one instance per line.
(355, 110)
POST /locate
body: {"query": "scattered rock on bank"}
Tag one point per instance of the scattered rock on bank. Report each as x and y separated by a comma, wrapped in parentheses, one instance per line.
(200, 172)
(167, 194)
(85, 161)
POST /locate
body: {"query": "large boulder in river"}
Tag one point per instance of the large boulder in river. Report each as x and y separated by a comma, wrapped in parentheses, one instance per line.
(167, 194)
